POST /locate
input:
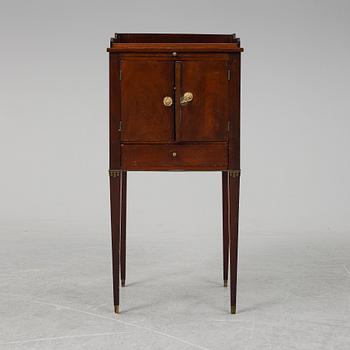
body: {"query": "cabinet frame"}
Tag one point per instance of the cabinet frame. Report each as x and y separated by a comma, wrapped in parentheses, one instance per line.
(233, 125)
(197, 155)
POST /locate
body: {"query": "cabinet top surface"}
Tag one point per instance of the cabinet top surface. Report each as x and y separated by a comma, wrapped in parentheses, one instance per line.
(149, 42)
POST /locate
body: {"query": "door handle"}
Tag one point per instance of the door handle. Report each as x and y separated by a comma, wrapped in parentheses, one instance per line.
(167, 101)
(186, 98)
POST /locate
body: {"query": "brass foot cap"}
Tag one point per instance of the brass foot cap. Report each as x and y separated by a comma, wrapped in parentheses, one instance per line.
(225, 283)
(233, 309)
(116, 309)
(123, 283)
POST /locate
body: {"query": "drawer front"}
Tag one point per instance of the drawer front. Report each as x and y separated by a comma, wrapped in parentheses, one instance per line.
(174, 157)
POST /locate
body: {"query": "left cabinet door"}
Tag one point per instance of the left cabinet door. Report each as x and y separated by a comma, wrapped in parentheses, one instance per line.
(147, 95)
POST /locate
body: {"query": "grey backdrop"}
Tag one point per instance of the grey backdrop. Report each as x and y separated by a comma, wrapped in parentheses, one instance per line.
(295, 114)
(55, 256)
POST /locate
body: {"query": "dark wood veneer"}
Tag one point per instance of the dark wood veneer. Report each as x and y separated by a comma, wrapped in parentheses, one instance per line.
(184, 47)
(198, 131)
(173, 38)
(174, 157)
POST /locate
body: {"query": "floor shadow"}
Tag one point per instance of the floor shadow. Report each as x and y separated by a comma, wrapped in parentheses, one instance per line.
(256, 306)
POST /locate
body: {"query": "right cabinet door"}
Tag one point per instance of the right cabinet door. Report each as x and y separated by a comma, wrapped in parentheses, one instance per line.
(202, 100)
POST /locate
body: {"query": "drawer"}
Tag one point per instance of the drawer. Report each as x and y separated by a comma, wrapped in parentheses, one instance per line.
(174, 157)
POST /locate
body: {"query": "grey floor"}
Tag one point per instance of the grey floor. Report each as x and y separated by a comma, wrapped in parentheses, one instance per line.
(55, 290)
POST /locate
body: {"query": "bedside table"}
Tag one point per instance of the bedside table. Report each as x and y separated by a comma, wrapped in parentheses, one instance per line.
(175, 105)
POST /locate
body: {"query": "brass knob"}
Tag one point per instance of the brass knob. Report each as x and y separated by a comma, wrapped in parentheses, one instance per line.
(186, 98)
(174, 154)
(167, 101)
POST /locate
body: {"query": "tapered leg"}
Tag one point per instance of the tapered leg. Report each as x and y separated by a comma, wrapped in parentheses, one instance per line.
(225, 235)
(123, 229)
(115, 198)
(233, 233)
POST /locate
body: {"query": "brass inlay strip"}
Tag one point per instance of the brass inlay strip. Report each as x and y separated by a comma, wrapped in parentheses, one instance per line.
(114, 173)
(234, 173)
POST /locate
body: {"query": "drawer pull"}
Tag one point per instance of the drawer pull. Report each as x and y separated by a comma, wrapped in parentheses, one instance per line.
(186, 98)
(174, 154)
(167, 101)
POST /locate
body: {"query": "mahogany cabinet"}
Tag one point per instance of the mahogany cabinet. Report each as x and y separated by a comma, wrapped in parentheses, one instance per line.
(175, 105)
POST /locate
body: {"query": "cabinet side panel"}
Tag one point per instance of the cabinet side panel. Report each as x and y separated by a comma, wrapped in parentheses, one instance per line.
(235, 124)
(114, 112)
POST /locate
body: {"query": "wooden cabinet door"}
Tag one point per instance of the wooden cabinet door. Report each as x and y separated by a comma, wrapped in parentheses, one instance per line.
(205, 118)
(144, 116)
